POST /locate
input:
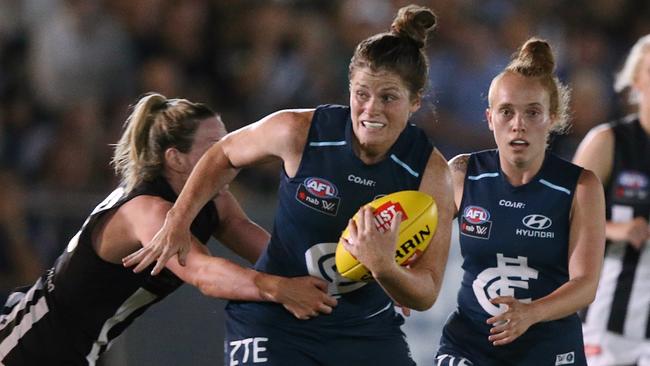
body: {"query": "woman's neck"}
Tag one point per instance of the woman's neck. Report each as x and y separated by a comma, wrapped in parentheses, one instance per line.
(519, 174)
(175, 181)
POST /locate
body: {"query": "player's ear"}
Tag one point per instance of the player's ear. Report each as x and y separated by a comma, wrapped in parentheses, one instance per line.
(174, 159)
(488, 117)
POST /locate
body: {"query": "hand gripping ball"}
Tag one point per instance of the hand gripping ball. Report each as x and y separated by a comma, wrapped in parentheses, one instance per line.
(419, 222)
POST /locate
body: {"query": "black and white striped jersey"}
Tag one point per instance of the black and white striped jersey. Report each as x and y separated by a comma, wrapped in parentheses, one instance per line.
(74, 311)
(622, 303)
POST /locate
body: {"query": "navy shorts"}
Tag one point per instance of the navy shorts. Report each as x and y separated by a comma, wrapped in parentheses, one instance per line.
(306, 343)
(556, 344)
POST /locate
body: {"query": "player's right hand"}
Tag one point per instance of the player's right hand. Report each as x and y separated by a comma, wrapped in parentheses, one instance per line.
(305, 297)
(636, 232)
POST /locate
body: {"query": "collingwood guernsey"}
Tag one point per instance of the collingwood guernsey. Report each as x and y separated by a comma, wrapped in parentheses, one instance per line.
(83, 302)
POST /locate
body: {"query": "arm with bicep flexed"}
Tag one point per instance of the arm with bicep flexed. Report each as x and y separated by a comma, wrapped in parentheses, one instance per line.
(281, 135)
(416, 286)
(142, 217)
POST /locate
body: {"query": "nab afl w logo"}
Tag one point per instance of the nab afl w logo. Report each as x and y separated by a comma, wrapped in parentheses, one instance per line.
(476, 222)
(510, 273)
(320, 187)
(319, 194)
(631, 186)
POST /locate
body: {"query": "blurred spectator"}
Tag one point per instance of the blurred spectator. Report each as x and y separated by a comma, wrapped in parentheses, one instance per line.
(19, 263)
(163, 75)
(459, 74)
(24, 135)
(79, 52)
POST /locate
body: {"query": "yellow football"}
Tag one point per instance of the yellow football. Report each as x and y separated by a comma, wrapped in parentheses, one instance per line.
(419, 222)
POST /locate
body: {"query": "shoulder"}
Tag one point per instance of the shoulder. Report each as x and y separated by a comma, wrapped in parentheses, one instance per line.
(288, 119)
(145, 208)
(588, 180)
(596, 151)
(437, 178)
(458, 168)
(437, 164)
(600, 135)
(279, 135)
(589, 195)
(458, 171)
(288, 125)
(589, 188)
(458, 164)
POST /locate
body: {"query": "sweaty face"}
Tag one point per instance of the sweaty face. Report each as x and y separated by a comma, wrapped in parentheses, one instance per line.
(520, 119)
(380, 104)
(209, 131)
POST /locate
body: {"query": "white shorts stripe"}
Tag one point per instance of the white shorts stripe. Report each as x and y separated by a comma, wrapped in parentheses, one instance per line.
(598, 313)
(32, 315)
(636, 320)
(139, 299)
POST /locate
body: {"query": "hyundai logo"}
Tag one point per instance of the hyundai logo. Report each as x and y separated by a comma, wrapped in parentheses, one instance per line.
(537, 222)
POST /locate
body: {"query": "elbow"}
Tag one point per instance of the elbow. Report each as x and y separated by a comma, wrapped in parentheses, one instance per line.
(201, 280)
(591, 294)
(427, 297)
(590, 287)
(423, 303)
(205, 288)
(424, 306)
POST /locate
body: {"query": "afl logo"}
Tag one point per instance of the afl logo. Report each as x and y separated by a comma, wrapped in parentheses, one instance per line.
(537, 222)
(320, 187)
(476, 214)
(633, 180)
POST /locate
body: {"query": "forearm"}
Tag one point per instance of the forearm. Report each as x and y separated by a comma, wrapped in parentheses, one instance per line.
(574, 295)
(415, 289)
(244, 237)
(209, 176)
(221, 278)
(615, 231)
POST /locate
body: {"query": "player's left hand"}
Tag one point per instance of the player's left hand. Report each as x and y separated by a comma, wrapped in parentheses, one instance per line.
(374, 249)
(512, 323)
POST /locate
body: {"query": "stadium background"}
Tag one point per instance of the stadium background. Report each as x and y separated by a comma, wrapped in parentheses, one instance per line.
(70, 68)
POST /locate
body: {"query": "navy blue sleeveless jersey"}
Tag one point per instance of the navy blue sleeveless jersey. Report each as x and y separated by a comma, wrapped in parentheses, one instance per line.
(331, 184)
(514, 242)
(74, 311)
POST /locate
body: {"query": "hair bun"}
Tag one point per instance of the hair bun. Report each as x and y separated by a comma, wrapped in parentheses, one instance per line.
(414, 22)
(534, 58)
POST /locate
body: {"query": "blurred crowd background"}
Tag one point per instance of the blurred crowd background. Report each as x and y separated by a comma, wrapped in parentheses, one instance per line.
(69, 69)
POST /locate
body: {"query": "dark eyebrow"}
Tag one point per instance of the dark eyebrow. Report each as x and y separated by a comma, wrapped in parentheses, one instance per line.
(390, 88)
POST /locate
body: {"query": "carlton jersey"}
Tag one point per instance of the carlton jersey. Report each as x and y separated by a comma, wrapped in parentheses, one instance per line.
(331, 184)
(74, 311)
(622, 303)
(514, 242)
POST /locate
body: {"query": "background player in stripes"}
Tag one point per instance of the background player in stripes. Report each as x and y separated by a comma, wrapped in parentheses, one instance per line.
(74, 311)
(531, 229)
(322, 150)
(616, 325)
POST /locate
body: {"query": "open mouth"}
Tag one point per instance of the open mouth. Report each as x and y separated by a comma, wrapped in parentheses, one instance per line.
(519, 143)
(372, 125)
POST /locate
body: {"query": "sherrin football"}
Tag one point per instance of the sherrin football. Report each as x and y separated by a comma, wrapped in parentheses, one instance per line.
(419, 222)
